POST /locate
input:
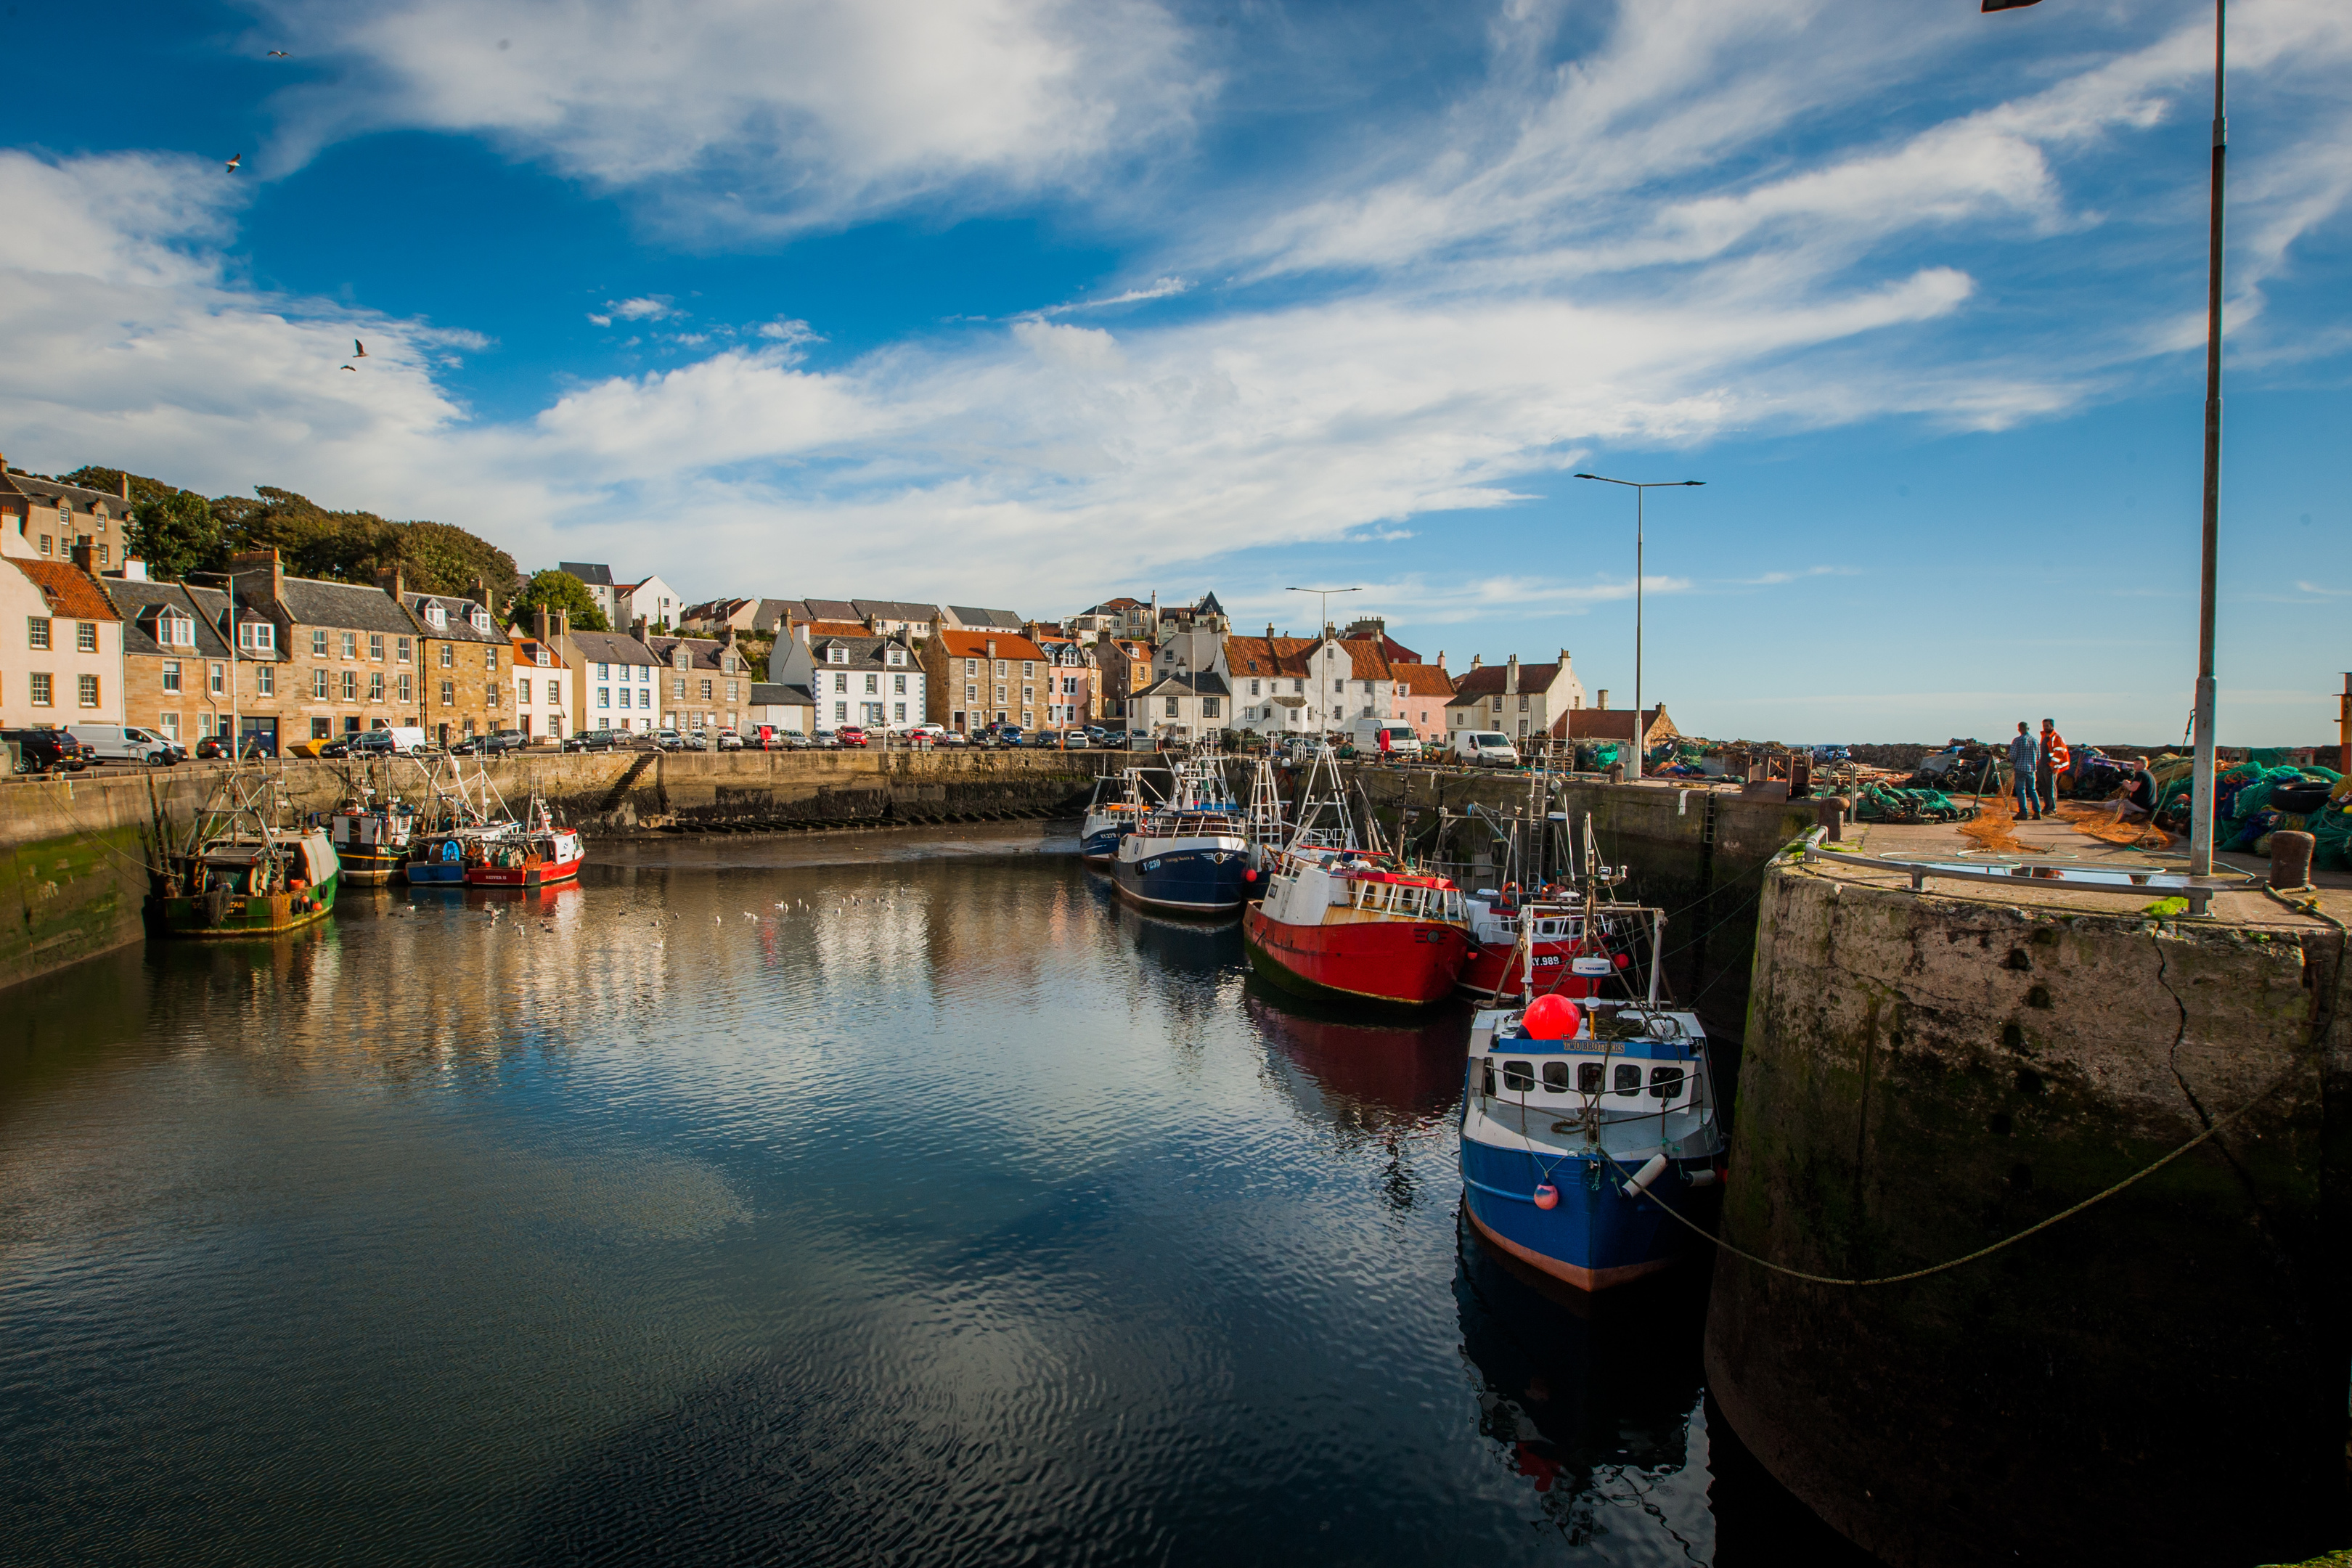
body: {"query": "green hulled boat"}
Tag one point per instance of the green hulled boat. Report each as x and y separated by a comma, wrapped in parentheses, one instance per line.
(242, 876)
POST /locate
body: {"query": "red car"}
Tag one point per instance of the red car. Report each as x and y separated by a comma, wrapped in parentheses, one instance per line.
(849, 735)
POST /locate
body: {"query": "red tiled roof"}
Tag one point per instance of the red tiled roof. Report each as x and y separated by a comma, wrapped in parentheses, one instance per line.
(69, 589)
(974, 644)
(1267, 656)
(1424, 679)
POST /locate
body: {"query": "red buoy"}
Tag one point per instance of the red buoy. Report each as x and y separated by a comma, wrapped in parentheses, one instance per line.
(1552, 1018)
(1547, 1196)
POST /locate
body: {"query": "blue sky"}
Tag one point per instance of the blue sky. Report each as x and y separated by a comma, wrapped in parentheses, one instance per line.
(1030, 303)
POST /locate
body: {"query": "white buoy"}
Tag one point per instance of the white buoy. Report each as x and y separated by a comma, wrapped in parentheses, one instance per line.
(1640, 1185)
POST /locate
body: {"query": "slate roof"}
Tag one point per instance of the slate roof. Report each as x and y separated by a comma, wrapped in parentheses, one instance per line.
(701, 652)
(594, 574)
(1489, 679)
(972, 617)
(610, 648)
(71, 594)
(830, 610)
(459, 612)
(776, 694)
(141, 603)
(1201, 683)
(865, 652)
(311, 602)
(898, 610)
(212, 608)
(83, 498)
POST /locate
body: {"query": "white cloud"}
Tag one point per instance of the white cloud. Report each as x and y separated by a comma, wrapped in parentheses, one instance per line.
(649, 309)
(757, 114)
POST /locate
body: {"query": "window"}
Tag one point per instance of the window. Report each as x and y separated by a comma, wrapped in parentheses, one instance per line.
(351, 644)
(1208, 707)
(841, 713)
(375, 686)
(900, 713)
(40, 689)
(1028, 669)
(523, 691)
(604, 672)
(999, 669)
(321, 729)
(478, 618)
(999, 694)
(898, 686)
(36, 631)
(971, 691)
(175, 630)
(1298, 689)
(554, 691)
(170, 725)
(400, 649)
(836, 655)
(265, 680)
(89, 685)
(350, 685)
(971, 667)
(677, 687)
(645, 673)
(705, 691)
(104, 551)
(1171, 708)
(437, 617)
(65, 514)
(257, 636)
(44, 544)
(1028, 694)
(171, 675)
(873, 684)
(1523, 704)
(1665, 1082)
(317, 645)
(604, 697)
(1555, 1076)
(319, 685)
(448, 694)
(407, 689)
(375, 647)
(490, 659)
(216, 678)
(624, 696)
(731, 691)
(449, 655)
(1588, 1077)
(1629, 1079)
(1520, 1077)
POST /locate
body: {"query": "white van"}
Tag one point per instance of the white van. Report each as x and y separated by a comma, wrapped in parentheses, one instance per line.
(400, 740)
(1404, 740)
(129, 743)
(1486, 748)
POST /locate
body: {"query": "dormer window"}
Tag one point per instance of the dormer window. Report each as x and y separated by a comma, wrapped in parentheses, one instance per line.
(175, 630)
(437, 617)
(897, 656)
(478, 618)
(257, 637)
(836, 655)
(64, 513)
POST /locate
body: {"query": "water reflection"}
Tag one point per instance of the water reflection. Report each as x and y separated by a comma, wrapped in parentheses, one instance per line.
(777, 1209)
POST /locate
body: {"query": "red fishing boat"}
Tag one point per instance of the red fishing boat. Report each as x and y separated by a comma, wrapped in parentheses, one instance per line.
(541, 853)
(1554, 940)
(1350, 923)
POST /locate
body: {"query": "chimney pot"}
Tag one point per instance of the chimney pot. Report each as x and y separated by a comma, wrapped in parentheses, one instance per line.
(1603, 703)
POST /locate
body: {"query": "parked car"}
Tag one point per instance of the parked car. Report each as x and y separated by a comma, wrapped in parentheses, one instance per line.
(46, 750)
(850, 735)
(1074, 741)
(339, 746)
(595, 741)
(1828, 755)
(927, 734)
(730, 741)
(212, 747)
(1000, 735)
(774, 740)
(489, 746)
(827, 739)
(1486, 748)
(396, 740)
(668, 741)
(694, 741)
(953, 738)
(129, 743)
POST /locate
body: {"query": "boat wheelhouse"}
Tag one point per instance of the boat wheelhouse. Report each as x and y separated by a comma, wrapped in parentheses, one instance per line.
(539, 854)
(241, 875)
(1119, 804)
(371, 839)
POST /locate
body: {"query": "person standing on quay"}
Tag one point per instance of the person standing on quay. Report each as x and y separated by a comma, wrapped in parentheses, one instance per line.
(2056, 760)
(2024, 762)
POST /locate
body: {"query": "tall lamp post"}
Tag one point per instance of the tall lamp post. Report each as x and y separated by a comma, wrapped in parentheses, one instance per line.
(1640, 715)
(1322, 614)
(2200, 799)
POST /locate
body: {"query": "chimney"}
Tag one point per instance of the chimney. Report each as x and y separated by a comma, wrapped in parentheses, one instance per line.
(637, 628)
(134, 569)
(126, 489)
(1269, 631)
(1603, 703)
(393, 579)
(1563, 659)
(1440, 658)
(83, 554)
(539, 622)
(254, 562)
(1477, 661)
(1511, 678)
(992, 647)
(802, 632)
(726, 635)
(562, 626)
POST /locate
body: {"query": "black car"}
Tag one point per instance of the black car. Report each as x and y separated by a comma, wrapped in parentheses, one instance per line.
(595, 741)
(214, 747)
(46, 750)
(341, 746)
(489, 746)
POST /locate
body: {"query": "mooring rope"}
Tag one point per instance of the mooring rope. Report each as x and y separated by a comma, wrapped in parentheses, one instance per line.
(2276, 1084)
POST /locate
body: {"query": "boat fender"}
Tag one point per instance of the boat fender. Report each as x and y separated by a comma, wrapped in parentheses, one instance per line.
(1640, 1185)
(1249, 876)
(1707, 1178)
(1547, 1195)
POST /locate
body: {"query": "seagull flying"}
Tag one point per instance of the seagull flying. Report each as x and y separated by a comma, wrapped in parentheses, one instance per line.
(358, 349)
(233, 163)
(279, 55)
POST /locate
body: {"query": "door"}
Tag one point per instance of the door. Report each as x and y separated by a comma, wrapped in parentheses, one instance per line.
(265, 729)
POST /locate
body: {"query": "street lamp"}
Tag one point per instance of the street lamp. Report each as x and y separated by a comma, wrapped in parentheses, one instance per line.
(2200, 799)
(1641, 719)
(1323, 619)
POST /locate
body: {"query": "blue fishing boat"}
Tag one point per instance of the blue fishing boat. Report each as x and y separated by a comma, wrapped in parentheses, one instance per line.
(1585, 1122)
(1191, 854)
(459, 828)
(1119, 804)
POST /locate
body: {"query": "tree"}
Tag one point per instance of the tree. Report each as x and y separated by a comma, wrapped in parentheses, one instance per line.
(353, 546)
(175, 533)
(143, 490)
(561, 591)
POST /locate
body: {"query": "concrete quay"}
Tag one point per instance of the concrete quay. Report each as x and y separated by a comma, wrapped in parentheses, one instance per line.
(2159, 1379)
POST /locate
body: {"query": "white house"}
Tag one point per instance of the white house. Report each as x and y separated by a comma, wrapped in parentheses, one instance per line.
(542, 687)
(653, 601)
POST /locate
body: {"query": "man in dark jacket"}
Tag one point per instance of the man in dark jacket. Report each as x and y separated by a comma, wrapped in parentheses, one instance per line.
(2024, 758)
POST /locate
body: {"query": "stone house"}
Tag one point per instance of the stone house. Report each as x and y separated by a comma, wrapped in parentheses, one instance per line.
(175, 661)
(981, 678)
(1602, 722)
(465, 662)
(615, 678)
(976, 618)
(705, 683)
(310, 660)
(875, 682)
(60, 640)
(1518, 699)
(1122, 667)
(53, 518)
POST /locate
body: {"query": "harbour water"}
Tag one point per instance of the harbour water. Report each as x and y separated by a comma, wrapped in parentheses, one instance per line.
(904, 1199)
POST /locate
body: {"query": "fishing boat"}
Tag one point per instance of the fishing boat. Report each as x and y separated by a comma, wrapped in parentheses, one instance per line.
(541, 853)
(1588, 1127)
(371, 837)
(461, 822)
(1190, 853)
(1120, 801)
(1348, 924)
(241, 875)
